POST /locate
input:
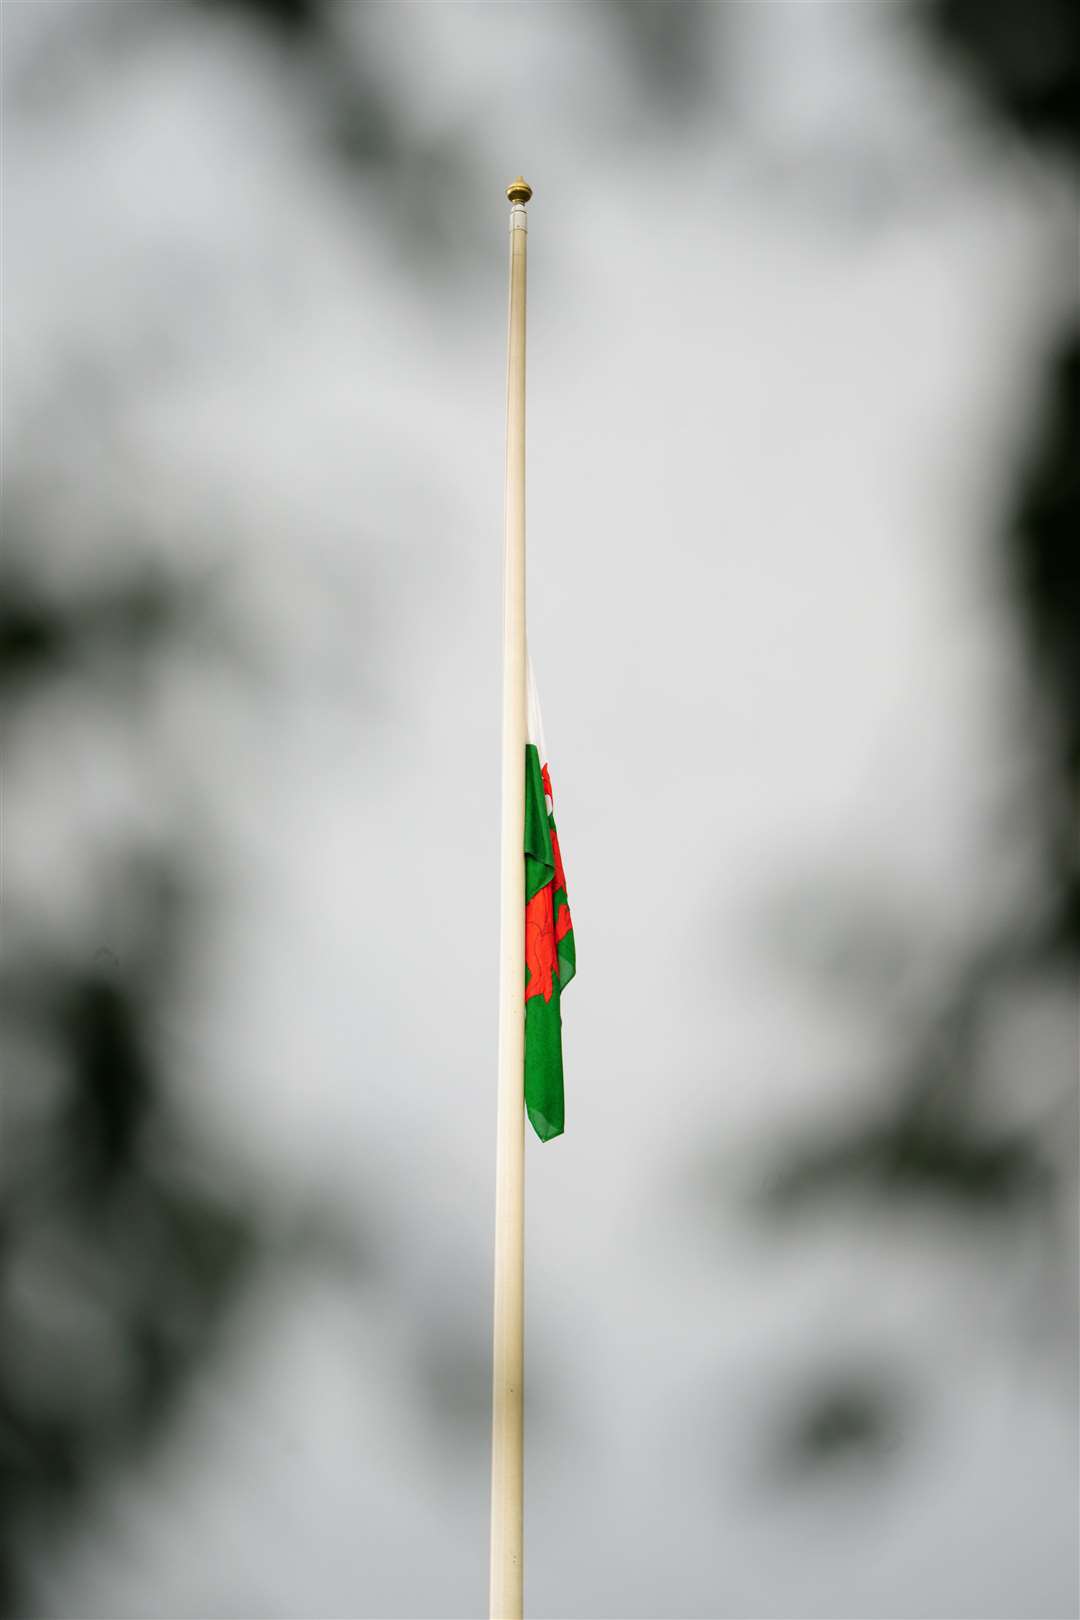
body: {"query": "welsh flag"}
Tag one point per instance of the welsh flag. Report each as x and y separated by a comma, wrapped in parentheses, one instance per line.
(550, 961)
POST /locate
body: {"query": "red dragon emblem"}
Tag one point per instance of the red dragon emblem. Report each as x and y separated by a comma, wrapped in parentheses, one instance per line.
(543, 930)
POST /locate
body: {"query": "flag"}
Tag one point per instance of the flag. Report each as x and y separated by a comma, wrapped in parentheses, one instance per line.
(550, 960)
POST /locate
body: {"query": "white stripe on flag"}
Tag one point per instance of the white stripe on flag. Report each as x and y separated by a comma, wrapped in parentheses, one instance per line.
(536, 723)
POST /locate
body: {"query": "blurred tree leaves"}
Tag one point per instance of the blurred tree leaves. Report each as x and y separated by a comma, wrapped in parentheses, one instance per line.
(850, 1419)
(292, 19)
(1025, 59)
(332, 78)
(118, 1262)
(1044, 559)
(41, 637)
(667, 46)
(933, 1144)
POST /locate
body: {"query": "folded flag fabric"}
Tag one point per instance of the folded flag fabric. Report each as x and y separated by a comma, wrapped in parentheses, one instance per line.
(550, 959)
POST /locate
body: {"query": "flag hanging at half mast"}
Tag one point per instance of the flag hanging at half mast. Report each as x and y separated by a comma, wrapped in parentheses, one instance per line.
(550, 959)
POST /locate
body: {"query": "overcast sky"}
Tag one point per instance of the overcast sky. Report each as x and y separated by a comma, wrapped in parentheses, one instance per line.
(783, 342)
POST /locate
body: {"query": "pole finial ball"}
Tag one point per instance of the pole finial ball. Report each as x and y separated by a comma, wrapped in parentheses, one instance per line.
(520, 191)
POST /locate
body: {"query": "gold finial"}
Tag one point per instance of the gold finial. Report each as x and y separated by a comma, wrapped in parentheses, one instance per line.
(520, 191)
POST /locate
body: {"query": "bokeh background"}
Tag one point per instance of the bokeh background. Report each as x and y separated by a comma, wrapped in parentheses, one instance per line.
(804, 607)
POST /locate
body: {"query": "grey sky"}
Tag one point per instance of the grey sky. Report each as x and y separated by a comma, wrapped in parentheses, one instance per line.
(781, 348)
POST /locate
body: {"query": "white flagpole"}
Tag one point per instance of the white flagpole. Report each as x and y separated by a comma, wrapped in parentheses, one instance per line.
(507, 1397)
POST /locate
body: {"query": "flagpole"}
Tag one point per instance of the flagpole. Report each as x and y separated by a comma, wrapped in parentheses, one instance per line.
(509, 1317)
